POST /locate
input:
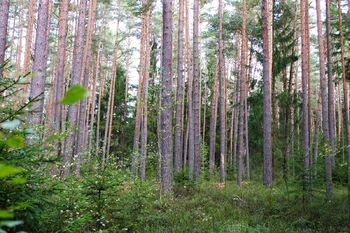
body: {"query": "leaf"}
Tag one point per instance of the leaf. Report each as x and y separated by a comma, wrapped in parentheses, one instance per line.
(15, 142)
(75, 94)
(10, 224)
(6, 214)
(53, 137)
(18, 181)
(10, 125)
(6, 170)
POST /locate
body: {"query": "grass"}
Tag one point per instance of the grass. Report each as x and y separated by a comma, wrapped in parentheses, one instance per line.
(115, 202)
(211, 208)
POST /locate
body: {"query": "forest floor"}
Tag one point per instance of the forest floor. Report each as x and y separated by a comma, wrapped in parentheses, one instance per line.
(115, 202)
(213, 207)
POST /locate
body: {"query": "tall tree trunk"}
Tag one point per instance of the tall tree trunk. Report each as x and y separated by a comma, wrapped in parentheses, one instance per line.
(305, 90)
(331, 109)
(243, 90)
(340, 113)
(95, 76)
(78, 52)
(317, 126)
(4, 15)
(179, 91)
(14, 26)
(310, 113)
(135, 163)
(144, 125)
(19, 47)
(221, 75)
(29, 39)
(189, 98)
(213, 120)
(345, 93)
(236, 106)
(84, 79)
(40, 64)
(100, 95)
(58, 119)
(196, 110)
(267, 77)
(109, 119)
(204, 110)
(166, 101)
(323, 82)
(246, 117)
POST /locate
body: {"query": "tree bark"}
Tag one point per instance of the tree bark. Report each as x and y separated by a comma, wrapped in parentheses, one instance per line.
(345, 93)
(213, 120)
(166, 101)
(19, 47)
(84, 79)
(331, 109)
(58, 119)
(243, 90)
(95, 76)
(4, 15)
(305, 90)
(221, 75)
(267, 77)
(179, 91)
(29, 39)
(144, 125)
(323, 83)
(189, 98)
(78, 52)
(109, 119)
(40, 64)
(196, 89)
(101, 92)
(138, 118)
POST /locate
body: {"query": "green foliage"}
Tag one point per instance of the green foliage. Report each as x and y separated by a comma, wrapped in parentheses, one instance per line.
(75, 94)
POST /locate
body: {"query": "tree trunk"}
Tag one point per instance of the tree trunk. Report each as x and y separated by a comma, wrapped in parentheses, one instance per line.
(40, 64)
(331, 109)
(305, 89)
(19, 47)
(323, 83)
(196, 110)
(95, 76)
(100, 95)
(4, 15)
(317, 127)
(179, 91)
(29, 39)
(71, 142)
(267, 77)
(138, 118)
(340, 113)
(236, 107)
(246, 117)
(345, 93)
(204, 111)
(109, 119)
(243, 90)
(58, 119)
(189, 98)
(144, 125)
(166, 101)
(213, 120)
(84, 78)
(221, 75)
